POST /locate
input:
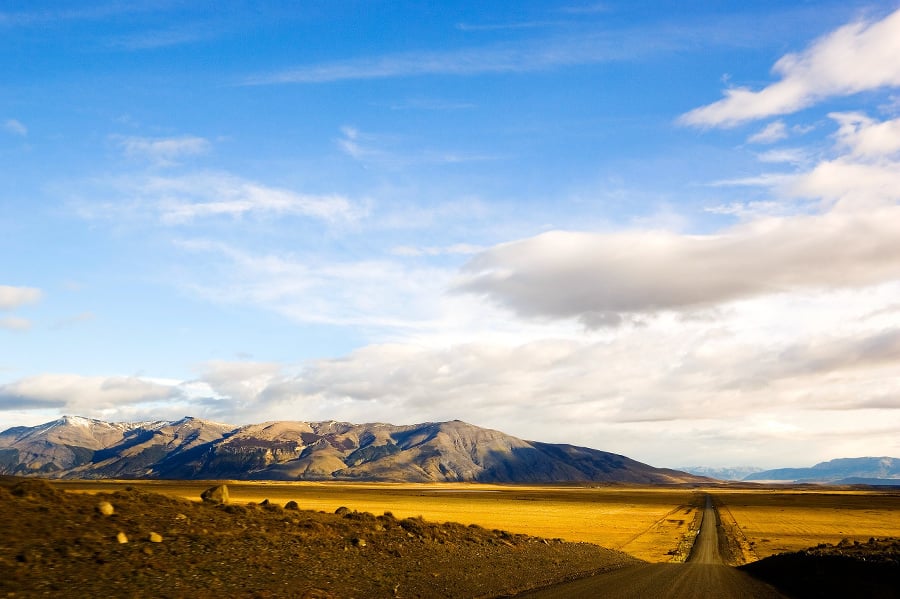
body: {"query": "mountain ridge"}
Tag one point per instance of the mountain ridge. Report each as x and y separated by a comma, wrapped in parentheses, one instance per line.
(193, 448)
(722, 472)
(837, 471)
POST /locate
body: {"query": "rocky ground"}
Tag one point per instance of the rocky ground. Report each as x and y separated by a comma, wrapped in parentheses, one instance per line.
(848, 569)
(137, 544)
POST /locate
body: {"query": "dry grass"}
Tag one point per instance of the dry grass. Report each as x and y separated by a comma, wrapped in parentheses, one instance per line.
(779, 520)
(649, 523)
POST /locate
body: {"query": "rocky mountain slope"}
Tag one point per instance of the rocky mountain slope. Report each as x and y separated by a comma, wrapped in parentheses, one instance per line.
(191, 448)
(868, 470)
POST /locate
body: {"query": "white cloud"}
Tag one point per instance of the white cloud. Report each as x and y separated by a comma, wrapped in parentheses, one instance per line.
(867, 138)
(181, 200)
(365, 293)
(762, 180)
(748, 210)
(164, 151)
(498, 58)
(746, 382)
(831, 227)
(352, 143)
(381, 150)
(14, 297)
(15, 127)
(455, 249)
(851, 186)
(784, 155)
(588, 276)
(84, 395)
(857, 57)
(771, 133)
(14, 323)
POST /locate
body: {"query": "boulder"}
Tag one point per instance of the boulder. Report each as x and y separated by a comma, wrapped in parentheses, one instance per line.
(292, 505)
(217, 495)
(105, 508)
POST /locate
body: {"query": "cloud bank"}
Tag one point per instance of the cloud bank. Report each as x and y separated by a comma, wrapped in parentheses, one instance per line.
(600, 278)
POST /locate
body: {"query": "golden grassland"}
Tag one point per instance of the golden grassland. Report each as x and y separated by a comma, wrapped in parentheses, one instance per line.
(647, 522)
(773, 521)
(650, 523)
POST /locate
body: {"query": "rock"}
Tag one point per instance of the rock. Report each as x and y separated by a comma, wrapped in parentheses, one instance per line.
(122, 537)
(217, 495)
(264, 502)
(105, 508)
(359, 542)
(292, 505)
(341, 511)
(154, 538)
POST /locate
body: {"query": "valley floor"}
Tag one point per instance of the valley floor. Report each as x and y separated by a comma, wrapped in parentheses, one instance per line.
(402, 540)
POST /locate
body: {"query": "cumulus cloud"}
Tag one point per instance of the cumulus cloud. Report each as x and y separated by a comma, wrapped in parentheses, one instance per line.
(830, 227)
(850, 186)
(86, 395)
(164, 151)
(591, 276)
(14, 297)
(866, 138)
(182, 200)
(857, 57)
(15, 127)
(635, 392)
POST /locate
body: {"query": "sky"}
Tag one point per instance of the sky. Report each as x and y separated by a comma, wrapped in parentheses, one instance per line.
(669, 230)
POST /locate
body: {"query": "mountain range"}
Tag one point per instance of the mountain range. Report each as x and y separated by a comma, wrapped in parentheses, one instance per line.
(723, 472)
(192, 448)
(843, 471)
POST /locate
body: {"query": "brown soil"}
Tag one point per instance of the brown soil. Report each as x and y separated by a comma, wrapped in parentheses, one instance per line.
(54, 543)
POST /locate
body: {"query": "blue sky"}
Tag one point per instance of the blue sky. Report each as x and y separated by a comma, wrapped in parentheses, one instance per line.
(668, 230)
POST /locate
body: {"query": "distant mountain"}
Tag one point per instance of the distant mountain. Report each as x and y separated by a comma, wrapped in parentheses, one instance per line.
(191, 448)
(723, 473)
(839, 471)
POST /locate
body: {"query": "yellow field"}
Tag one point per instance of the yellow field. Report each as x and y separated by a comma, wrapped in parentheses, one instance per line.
(652, 523)
(649, 523)
(774, 521)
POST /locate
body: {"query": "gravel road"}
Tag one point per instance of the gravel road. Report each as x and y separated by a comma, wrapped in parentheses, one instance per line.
(704, 575)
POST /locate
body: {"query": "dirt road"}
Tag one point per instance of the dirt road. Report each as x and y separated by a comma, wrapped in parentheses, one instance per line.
(704, 575)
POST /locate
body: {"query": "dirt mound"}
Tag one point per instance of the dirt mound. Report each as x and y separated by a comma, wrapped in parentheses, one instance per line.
(65, 544)
(848, 569)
